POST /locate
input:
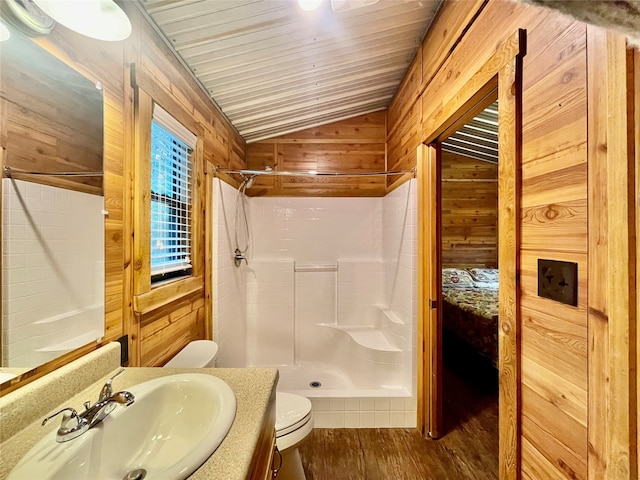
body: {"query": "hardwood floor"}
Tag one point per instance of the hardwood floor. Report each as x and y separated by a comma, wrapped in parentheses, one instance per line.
(469, 449)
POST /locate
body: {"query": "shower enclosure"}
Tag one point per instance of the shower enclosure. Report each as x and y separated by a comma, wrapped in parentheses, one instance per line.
(328, 296)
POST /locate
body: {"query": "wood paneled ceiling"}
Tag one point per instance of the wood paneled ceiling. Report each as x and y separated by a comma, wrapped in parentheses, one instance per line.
(273, 68)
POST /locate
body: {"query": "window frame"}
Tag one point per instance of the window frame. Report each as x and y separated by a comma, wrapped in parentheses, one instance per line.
(148, 296)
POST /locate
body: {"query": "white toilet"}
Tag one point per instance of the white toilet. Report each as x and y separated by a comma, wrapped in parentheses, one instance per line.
(197, 354)
(293, 423)
(294, 420)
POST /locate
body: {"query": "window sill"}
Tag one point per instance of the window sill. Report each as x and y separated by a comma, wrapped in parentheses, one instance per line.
(166, 293)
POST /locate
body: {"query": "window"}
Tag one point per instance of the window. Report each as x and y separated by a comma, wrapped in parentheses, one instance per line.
(172, 146)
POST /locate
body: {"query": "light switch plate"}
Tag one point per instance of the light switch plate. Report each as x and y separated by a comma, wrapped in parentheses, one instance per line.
(558, 281)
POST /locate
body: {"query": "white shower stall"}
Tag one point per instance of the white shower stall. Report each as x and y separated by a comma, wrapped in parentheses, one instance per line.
(328, 296)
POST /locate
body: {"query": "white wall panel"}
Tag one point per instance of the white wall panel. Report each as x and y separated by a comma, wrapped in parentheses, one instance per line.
(53, 272)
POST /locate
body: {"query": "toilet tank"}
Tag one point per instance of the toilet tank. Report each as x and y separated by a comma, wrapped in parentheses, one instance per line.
(197, 354)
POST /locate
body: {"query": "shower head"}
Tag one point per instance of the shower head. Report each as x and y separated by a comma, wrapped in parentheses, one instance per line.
(247, 182)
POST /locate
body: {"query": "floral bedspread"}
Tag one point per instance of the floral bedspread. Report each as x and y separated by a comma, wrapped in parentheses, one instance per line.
(472, 314)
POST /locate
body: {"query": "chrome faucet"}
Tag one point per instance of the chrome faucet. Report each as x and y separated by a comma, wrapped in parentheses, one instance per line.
(73, 424)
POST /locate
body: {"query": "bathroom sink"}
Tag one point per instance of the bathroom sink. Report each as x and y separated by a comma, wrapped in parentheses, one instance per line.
(174, 425)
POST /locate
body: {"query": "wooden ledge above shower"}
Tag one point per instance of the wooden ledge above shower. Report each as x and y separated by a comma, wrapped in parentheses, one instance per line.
(355, 145)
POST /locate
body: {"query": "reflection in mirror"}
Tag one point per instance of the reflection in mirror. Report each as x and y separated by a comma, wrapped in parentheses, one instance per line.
(52, 207)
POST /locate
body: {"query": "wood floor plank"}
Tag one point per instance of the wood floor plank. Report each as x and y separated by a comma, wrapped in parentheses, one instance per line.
(385, 455)
(468, 450)
(333, 452)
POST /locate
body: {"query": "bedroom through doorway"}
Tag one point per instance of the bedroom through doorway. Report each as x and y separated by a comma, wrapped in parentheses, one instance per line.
(468, 259)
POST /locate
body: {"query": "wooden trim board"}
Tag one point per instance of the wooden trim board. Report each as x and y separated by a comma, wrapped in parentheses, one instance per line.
(509, 187)
(141, 198)
(434, 317)
(612, 356)
(422, 423)
(164, 294)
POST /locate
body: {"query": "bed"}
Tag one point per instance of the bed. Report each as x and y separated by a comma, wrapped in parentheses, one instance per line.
(470, 308)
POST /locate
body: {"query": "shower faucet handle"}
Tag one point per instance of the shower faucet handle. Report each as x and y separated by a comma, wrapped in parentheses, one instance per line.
(238, 257)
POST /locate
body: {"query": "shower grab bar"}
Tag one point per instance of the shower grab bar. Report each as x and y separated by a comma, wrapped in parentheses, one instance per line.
(315, 268)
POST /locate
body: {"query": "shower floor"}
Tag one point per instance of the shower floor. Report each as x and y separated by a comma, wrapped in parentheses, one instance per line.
(329, 381)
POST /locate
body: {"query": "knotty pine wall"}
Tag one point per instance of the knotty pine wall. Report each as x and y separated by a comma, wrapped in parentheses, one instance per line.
(469, 212)
(353, 145)
(554, 381)
(165, 330)
(48, 123)
(157, 335)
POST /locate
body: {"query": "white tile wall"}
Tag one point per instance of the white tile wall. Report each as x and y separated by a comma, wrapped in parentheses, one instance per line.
(364, 412)
(316, 229)
(53, 271)
(315, 303)
(270, 313)
(400, 239)
(360, 289)
(229, 291)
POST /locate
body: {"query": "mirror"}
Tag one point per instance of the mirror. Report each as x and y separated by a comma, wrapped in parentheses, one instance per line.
(52, 207)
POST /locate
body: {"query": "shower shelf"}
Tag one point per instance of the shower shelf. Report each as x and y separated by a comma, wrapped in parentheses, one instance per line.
(367, 336)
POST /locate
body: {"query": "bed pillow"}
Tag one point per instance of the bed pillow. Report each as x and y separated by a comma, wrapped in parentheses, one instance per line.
(484, 277)
(456, 277)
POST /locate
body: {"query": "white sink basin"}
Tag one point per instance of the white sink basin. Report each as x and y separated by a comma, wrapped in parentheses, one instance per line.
(175, 424)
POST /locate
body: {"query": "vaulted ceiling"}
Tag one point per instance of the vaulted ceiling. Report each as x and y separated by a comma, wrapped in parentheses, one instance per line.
(273, 68)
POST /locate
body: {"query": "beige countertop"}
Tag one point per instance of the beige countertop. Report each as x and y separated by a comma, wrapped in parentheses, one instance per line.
(253, 388)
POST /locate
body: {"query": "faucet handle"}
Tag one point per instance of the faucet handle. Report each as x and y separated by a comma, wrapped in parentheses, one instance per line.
(65, 418)
(107, 391)
(238, 256)
(72, 426)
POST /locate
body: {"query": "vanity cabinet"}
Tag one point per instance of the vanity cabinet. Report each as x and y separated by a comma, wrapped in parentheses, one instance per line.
(264, 457)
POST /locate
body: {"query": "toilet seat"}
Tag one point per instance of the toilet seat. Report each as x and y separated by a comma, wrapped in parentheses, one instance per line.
(293, 419)
(294, 427)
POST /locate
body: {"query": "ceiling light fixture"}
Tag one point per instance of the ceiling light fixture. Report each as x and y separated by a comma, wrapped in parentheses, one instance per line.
(308, 5)
(99, 19)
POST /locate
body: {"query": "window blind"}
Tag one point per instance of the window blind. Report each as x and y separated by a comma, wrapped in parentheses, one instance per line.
(171, 149)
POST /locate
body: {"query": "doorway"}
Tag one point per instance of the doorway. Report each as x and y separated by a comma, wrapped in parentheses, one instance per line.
(498, 79)
(468, 259)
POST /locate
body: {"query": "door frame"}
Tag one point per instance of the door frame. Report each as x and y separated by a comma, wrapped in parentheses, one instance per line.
(501, 73)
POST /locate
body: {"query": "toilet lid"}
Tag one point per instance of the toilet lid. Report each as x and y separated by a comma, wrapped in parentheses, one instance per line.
(292, 411)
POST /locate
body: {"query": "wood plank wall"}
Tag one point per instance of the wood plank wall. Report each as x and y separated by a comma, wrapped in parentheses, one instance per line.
(166, 329)
(158, 335)
(404, 118)
(469, 212)
(554, 203)
(51, 117)
(355, 145)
